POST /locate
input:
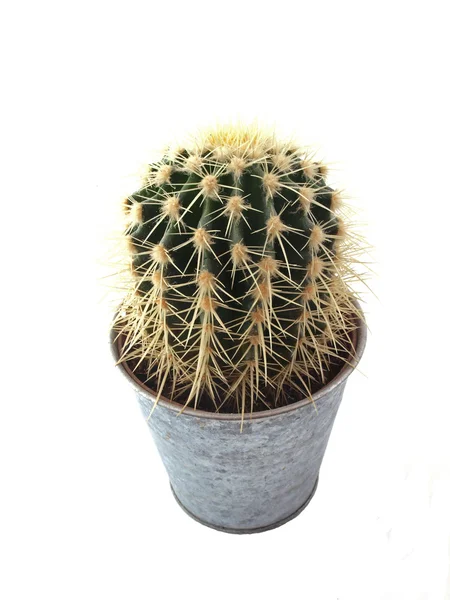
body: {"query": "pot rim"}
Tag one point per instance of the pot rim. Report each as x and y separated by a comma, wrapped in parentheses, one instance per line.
(359, 335)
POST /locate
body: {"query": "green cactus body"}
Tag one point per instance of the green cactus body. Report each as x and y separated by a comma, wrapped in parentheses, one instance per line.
(238, 287)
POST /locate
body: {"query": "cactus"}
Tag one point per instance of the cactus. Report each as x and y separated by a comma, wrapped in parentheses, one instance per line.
(241, 271)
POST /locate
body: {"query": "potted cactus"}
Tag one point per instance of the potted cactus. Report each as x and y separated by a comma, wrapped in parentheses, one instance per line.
(239, 327)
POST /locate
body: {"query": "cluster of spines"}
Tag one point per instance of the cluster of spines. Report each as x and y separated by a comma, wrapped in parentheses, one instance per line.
(240, 272)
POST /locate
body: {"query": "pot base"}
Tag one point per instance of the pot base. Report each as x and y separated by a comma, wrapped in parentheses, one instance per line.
(255, 529)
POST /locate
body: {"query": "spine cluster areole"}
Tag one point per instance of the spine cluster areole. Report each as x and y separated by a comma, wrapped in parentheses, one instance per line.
(240, 273)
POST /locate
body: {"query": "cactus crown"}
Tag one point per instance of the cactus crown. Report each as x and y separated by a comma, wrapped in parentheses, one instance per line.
(240, 267)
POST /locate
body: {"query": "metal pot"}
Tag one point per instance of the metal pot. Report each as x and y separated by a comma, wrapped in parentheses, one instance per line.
(251, 480)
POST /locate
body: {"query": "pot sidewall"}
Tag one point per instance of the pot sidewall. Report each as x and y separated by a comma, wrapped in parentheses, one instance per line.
(250, 477)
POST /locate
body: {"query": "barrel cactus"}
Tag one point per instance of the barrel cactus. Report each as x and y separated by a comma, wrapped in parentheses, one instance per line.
(240, 269)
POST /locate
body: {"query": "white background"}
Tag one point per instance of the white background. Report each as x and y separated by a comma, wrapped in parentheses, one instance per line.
(89, 89)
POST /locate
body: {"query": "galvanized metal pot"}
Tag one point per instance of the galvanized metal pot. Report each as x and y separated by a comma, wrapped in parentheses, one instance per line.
(249, 481)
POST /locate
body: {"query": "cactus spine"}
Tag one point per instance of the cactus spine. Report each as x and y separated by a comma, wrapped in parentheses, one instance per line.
(240, 273)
